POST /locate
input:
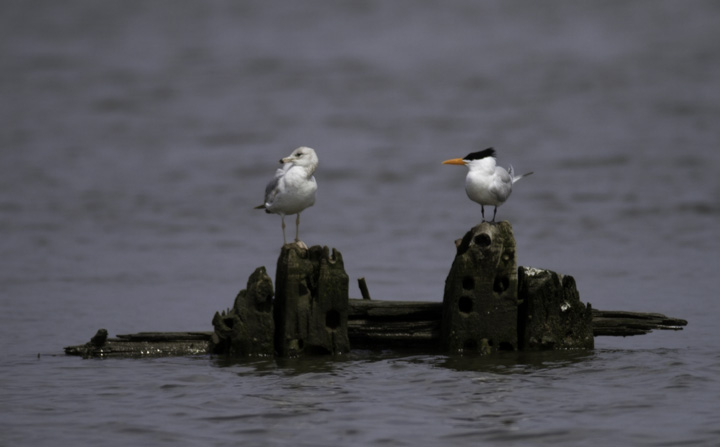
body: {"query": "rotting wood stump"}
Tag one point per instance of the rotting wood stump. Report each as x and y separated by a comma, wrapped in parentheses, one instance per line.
(550, 313)
(489, 304)
(311, 303)
(480, 304)
(248, 329)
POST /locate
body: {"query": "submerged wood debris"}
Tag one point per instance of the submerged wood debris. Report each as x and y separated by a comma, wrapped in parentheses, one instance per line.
(489, 305)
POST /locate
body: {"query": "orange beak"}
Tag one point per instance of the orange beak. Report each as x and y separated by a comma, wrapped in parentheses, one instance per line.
(454, 161)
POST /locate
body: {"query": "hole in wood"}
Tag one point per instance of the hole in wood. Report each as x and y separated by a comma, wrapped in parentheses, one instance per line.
(468, 283)
(505, 346)
(465, 304)
(501, 284)
(482, 240)
(332, 319)
(302, 288)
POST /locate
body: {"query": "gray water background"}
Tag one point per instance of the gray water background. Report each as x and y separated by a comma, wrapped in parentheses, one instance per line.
(137, 136)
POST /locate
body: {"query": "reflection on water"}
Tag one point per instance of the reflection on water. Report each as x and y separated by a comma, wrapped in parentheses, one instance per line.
(516, 362)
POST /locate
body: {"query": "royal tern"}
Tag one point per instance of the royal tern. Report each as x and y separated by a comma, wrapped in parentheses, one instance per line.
(486, 183)
(293, 188)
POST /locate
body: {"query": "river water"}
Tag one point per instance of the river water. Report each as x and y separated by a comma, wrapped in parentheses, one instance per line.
(137, 136)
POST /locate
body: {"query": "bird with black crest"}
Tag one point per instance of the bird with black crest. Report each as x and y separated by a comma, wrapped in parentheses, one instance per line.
(486, 183)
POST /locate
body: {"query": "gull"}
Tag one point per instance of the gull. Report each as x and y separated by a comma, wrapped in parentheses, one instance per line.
(486, 183)
(293, 188)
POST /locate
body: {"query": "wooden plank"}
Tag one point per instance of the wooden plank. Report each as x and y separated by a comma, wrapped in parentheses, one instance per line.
(623, 323)
(364, 289)
(398, 310)
(165, 336)
(371, 323)
(144, 344)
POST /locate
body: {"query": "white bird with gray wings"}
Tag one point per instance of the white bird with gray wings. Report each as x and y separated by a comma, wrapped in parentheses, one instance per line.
(486, 183)
(293, 188)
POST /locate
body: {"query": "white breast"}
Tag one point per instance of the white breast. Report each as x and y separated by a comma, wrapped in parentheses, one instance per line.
(295, 192)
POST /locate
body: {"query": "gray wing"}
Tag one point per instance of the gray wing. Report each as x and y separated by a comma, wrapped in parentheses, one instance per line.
(271, 189)
(501, 190)
(273, 186)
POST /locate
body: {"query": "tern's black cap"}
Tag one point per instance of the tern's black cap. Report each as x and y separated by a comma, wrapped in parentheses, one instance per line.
(489, 152)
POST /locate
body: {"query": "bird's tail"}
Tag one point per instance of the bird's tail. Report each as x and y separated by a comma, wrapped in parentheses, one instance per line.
(263, 207)
(511, 171)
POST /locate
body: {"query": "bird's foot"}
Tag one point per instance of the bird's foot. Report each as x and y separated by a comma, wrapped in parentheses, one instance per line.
(301, 244)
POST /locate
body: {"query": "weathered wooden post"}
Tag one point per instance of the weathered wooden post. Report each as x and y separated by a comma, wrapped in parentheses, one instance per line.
(480, 303)
(551, 315)
(311, 302)
(248, 328)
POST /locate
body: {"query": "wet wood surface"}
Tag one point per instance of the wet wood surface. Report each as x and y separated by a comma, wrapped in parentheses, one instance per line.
(371, 324)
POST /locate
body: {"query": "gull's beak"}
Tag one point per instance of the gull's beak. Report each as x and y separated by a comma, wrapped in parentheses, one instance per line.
(454, 161)
(285, 160)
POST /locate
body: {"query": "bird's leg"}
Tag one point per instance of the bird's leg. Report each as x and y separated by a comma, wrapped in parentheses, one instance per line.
(282, 218)
(494, 213)
(297, 228)
(482, 209)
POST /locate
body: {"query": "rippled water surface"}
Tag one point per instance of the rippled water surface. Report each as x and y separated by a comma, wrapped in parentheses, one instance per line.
(137, 136)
